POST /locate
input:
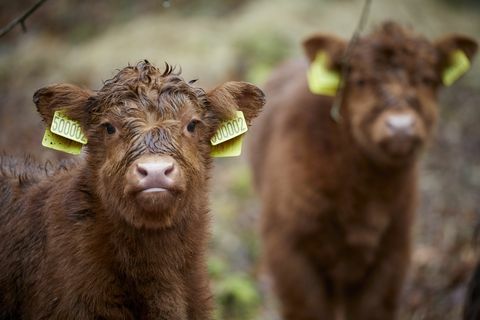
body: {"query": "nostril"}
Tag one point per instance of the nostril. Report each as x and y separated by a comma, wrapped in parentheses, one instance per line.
(141, 170)
(169, 169)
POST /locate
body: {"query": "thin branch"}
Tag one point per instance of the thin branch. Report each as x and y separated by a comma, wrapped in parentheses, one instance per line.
(21, 19)
(337, 103)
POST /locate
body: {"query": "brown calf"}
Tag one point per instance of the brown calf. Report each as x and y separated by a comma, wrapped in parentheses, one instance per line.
(338, 198)
(121, 233)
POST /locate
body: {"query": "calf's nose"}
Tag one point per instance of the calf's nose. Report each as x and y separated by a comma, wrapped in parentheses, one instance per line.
(156, 175)
(401, 123)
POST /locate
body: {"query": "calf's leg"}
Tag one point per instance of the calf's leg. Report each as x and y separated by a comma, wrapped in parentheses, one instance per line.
(300, 291)
(378, 297)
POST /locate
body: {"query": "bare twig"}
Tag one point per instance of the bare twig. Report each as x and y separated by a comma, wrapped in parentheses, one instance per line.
(337, 103)
(21, 19)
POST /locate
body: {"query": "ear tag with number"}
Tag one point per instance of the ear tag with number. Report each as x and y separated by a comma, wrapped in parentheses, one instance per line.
(227, 141)
(56, 142)
(64, 135)
(230, 148)
(459, 64)
(321, 80)
(67, 128)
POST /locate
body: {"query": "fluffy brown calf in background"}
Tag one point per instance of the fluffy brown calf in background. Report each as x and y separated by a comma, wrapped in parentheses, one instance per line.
(338, 198)
(121, 233)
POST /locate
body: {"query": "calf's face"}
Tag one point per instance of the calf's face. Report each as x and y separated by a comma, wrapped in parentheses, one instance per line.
(149, 132)
(390, 99)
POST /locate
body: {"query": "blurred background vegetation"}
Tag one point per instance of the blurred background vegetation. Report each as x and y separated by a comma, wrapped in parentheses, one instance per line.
(85, 42)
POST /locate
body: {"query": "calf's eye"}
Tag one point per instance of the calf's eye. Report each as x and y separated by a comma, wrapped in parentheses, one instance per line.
(429, 82)
(191, 126)
(110, 129)
(361, 82)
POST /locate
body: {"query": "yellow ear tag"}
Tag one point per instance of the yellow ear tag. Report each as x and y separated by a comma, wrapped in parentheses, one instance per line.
(230, 148)
(321, 80)
(56, 142)
(459, 64)
(64, 135)
(227, 141)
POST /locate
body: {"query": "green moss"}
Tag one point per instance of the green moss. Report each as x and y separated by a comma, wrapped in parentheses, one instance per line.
(237, 298)
(216, 267)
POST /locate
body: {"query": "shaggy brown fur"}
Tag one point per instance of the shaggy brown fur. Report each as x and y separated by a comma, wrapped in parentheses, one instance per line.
(80, 241)
(471, 309)
(338, 198)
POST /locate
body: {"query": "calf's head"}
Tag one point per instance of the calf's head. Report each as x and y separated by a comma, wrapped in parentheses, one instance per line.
(148, 151)
(390, 97)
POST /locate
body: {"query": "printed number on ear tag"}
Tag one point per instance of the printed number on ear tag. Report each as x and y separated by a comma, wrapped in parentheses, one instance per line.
(459, 64)
(227, 141)
(67, 128)
(321, 80)
(64, 135)
(56, 142)
(230, 129)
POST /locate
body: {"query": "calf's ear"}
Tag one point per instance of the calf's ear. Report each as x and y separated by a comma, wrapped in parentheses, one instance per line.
(449, 44)
(70, 99)
(456, 55)
(334, 47)
(232, 96)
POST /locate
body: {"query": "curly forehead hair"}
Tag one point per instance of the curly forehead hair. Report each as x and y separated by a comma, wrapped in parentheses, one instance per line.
(144, 81)
(391, 46)
(391, 39)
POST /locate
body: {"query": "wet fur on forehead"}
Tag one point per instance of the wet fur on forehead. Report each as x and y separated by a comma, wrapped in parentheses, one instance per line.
(149, 88)
(392, 47)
